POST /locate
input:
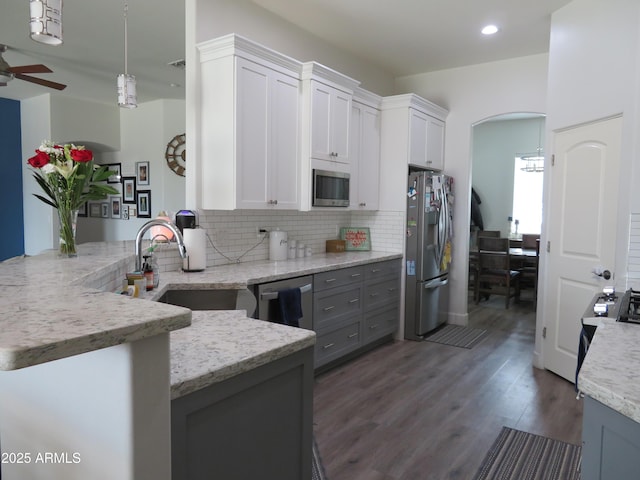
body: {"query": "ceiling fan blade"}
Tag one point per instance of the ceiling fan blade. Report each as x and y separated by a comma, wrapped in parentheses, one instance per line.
(40, 81)
(30, 69)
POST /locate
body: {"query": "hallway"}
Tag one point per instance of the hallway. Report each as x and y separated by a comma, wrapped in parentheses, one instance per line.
(421, 410)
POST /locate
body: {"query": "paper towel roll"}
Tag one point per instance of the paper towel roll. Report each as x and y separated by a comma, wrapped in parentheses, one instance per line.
(277, 245)
(195, 239)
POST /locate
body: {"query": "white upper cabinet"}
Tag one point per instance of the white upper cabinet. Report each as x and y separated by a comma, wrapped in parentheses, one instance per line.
(422, 124)
(413, 132)
(325, 124)
(365, 151)
(249, 152)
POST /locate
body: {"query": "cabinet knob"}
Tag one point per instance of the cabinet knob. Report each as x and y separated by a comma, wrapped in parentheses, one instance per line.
(363, 204)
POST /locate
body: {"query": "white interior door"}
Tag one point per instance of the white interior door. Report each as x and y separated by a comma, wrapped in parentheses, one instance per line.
(581, 234)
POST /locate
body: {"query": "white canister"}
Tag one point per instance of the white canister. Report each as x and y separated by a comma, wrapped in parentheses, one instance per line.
(278, 245)
(292, 248)
(300, 249)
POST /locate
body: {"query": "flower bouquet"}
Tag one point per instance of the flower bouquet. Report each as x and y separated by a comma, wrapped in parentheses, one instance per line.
(69, 178)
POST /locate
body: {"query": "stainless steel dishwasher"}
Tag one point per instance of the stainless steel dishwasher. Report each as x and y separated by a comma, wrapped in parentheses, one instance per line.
(268, 292)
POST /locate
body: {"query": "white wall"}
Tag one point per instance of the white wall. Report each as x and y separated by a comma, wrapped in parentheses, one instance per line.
(144, 133)
(472, 94)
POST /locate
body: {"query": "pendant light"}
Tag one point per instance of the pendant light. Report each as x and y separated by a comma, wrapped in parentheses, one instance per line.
(534, 162)
(126, 83)
(46, 21)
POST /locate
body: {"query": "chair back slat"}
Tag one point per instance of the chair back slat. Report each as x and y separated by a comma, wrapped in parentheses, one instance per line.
(530, 240)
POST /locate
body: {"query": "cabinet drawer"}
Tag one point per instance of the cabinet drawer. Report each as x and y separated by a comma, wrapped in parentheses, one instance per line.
(337, 343)
(332, 307)
(380, 323)
(382, 269)
(381, 294)
(337, 278)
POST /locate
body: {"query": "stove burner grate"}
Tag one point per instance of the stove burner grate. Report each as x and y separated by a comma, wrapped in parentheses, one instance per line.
(630, 307)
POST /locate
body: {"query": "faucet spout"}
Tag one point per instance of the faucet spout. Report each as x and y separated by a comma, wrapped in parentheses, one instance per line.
(163, 223)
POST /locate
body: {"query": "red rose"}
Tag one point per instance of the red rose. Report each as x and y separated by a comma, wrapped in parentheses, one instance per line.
(39, 160)
(82, 156)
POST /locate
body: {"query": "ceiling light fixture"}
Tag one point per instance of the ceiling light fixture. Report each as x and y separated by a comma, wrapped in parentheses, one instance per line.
(534, 162)
(46, 21)
(126, 83)
(490, 30)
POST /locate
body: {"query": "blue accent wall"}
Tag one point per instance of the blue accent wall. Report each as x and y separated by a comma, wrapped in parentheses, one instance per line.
(12, 236)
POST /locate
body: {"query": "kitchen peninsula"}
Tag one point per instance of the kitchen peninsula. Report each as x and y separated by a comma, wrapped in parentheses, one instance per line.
(88, 378)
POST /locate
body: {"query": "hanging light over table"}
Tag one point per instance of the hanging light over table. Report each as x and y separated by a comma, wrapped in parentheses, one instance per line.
(46, 21)
(126, 83)
(534, 162)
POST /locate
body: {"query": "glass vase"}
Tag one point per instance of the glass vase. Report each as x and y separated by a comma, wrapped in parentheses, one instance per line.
(68, 220)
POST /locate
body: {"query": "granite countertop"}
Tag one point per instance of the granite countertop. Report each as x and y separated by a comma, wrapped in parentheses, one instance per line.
(222, 344)
(609, 373)
(48, 310)
(239, 275)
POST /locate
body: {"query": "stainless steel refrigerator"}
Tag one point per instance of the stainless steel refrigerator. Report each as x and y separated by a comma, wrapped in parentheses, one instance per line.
(428, 252)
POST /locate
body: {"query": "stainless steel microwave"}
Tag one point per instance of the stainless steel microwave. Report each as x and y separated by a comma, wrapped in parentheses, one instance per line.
(330, 189)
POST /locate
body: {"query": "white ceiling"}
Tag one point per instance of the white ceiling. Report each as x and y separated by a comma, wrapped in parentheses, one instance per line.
(402, 37)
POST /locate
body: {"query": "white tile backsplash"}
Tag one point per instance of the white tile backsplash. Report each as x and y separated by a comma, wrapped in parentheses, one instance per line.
(234, 233)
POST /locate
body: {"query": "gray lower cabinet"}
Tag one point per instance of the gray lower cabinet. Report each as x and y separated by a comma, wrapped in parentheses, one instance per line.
(255, 425)
(354, 307)
(611, 443)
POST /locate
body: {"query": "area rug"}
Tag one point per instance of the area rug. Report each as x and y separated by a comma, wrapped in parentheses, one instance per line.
(517, 455)
(317, 470)
(457, 336)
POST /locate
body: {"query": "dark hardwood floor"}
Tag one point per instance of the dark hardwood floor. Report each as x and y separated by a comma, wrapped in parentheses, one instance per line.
(421, 410)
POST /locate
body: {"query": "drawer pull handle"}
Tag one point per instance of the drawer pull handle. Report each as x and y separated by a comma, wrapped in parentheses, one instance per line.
(375, 270)
(355, 275)
(328, 345)
(331, 307)
(329, 280)
(353, 335)
(374, 294)
(354, 300)
(373, 327)
(392, 289)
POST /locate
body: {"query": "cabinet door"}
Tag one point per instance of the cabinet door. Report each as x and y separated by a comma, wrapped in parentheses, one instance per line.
(364, 155)
(340, 113)
(284, 158)
(252, 134)
(266, 138)
(418, 138)
(435, 143)
(330, 112)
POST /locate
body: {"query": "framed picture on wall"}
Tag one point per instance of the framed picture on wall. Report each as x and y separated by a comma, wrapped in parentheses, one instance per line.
(116, 207)
(142, 173)
(128, 189)
(116, 167)
(144, 203)
(95, 210)
(82, 211)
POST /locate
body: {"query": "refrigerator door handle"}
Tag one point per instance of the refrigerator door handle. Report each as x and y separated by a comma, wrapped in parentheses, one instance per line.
(436, 283)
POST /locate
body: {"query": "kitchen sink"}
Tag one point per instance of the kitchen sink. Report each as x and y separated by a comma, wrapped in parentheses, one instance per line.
(208, 299)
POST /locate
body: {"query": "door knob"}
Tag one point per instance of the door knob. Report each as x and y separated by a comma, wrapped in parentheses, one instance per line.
(606, 274)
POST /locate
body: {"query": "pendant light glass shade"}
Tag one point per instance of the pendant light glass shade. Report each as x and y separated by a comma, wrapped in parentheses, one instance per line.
(46, 21)
(126, 83)
(127, 91)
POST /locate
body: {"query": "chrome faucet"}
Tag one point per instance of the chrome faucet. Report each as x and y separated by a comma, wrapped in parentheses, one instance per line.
(162, 223)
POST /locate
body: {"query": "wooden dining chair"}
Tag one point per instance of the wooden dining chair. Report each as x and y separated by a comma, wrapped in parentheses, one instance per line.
(529, 268)
(494, 275)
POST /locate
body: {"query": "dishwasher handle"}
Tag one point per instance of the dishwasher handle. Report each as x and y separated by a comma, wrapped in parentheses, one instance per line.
(273, 295)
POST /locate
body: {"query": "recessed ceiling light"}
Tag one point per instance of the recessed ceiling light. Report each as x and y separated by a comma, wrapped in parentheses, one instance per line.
(490, 30)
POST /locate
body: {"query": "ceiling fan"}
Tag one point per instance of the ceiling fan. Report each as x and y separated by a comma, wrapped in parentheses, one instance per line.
(8, 73)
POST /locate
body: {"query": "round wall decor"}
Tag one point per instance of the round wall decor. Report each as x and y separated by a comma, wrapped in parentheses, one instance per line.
(176, 154)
